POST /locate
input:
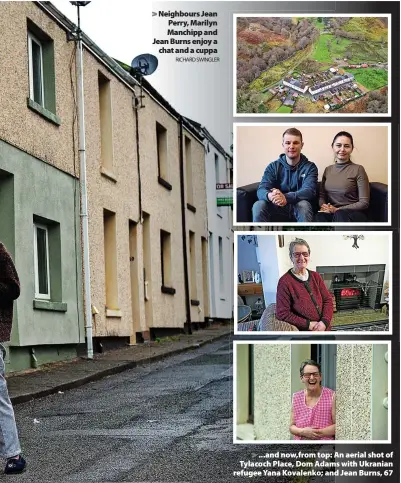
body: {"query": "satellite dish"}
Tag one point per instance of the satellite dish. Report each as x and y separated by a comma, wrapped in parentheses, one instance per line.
(144, 64)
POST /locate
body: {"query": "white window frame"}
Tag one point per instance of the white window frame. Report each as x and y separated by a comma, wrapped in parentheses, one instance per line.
(32, 38)
(39, 295)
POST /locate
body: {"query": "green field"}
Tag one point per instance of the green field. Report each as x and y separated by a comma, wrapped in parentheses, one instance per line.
(324, 53)
(357, 51)
(319, 25)
(370, 78)
(285, 109)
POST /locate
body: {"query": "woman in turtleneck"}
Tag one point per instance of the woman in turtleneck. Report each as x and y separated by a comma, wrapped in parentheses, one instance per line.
(344, 190)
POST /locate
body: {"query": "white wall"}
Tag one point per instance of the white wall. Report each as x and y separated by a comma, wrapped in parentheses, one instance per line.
(257, 146)
(326, 249)
(220, 224)
(269, 269)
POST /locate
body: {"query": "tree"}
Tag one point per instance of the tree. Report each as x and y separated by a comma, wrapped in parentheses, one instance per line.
(302, 43)
(285, 33)
(262, 108)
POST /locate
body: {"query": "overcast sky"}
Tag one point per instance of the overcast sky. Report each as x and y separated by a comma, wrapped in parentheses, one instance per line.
(123, 29)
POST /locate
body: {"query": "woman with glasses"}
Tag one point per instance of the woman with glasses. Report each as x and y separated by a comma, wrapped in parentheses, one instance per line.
(313, 413)
(344, 190)
(302, 297)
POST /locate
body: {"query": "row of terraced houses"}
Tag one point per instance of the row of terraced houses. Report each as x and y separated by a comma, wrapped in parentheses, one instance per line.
(160, 250)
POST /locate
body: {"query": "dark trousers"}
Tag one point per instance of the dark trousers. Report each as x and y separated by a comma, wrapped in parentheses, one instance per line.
(342, 216)
(265, 211)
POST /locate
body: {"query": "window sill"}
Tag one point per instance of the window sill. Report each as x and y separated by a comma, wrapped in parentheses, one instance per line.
(191, 208)
(48, 305)
(195, 302)
(164, 183)
(50, 116)
(108, 174)
(168, 290)
(116, 313)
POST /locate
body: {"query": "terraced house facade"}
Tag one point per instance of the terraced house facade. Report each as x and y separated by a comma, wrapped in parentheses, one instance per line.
(146, 184)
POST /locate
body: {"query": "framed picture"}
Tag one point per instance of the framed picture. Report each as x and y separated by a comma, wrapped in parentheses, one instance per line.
(248, 276)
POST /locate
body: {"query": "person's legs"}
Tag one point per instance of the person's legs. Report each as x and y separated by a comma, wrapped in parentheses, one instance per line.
(324, 217)
(349, 216)
(9, 445)
(264, 211)
(260, 211)
(303, 211)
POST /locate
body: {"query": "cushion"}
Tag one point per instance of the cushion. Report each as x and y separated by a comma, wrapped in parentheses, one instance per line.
(269, 322)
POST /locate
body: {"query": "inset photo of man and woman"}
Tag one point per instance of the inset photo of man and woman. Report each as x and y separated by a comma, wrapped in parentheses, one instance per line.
(307, 392)
(313, 282)
(312, 174)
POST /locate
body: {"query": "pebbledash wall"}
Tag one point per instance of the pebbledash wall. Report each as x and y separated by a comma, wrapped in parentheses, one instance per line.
(361, 386)
(38, 184)
(126, 261)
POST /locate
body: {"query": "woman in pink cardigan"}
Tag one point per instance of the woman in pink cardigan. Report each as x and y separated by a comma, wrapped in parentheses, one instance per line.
(302, 297)
(313, 413)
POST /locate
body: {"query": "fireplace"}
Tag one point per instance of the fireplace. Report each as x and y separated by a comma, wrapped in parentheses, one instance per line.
(354, 286)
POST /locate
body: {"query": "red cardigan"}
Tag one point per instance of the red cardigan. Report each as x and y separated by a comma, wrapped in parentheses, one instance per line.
(294, 304)
(9, 291)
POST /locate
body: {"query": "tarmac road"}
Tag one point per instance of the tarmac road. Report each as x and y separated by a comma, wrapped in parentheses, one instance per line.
(167, 421)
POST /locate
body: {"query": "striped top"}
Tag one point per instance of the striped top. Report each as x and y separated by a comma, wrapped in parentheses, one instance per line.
(318, 416)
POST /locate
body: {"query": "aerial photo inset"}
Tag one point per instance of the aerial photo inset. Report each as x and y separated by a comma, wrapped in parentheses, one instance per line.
(312, 65)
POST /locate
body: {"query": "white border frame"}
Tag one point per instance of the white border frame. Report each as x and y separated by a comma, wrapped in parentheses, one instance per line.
(33, 39)
(38, 295)
(307, 235)
(313, 441)
(286, 125)
(310, 114)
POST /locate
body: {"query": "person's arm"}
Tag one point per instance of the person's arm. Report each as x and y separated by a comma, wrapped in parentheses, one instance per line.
(305, 433)
(330, 430)
(327, 309)
(322, 191)
(308, 189)
(9, 282)
(362, 181)
(268, 183)
(283, 308)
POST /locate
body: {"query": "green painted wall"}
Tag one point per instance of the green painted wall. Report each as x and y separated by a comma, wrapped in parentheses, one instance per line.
(33, 190)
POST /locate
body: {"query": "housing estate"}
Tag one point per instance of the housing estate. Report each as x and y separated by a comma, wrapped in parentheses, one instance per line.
(147, 198)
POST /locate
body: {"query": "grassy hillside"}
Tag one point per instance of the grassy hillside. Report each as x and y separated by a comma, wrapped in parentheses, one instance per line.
(371, 27)
(276, 73)
(327, 48)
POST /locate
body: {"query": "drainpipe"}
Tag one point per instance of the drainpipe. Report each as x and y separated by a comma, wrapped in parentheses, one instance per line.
(136, 104)
(84, 197)
(184, 228)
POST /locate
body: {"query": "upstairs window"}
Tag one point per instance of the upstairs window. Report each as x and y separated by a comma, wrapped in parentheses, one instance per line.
(36, 90)
(41, 71)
